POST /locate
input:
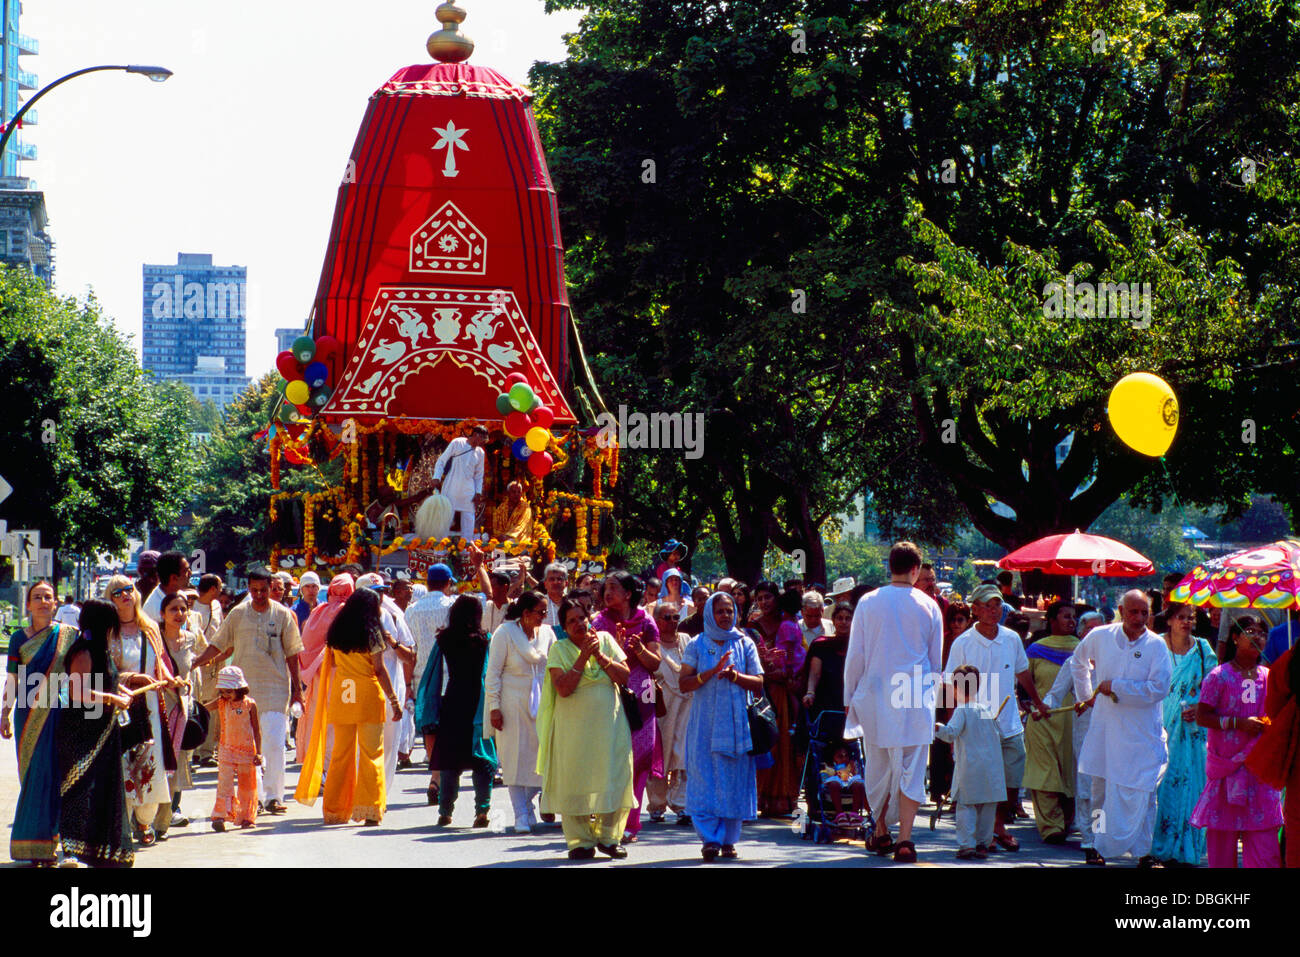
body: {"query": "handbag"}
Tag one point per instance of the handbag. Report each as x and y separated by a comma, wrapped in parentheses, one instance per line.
(661, 703)
(631, 708)
(196, 727)
(763, 728)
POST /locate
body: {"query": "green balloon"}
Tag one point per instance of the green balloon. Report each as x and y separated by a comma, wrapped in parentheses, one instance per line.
(522, 397)
(503, 404)
(304, 348)
(288, 413)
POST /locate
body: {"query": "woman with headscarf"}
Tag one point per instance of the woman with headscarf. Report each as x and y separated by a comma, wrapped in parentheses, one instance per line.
(516, 672)
(93, 820)
(721, 666)
(638, 636)
(36, 654)
(313, 650)
(780, 648)
(585, 748)
(141, 659)
(454, 716)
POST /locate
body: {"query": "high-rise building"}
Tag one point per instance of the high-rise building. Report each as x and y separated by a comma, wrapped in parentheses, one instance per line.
(194, 315)
(14, 80)
(284, 338)
(23, 239)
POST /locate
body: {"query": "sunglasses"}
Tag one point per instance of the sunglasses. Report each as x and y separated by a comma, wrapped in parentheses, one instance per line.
(122, 591)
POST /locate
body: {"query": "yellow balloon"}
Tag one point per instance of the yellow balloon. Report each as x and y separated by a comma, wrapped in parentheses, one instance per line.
(297, 392)
(537, 438)
(1144, 413)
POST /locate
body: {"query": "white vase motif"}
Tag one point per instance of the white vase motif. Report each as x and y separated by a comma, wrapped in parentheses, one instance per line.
(447, 325)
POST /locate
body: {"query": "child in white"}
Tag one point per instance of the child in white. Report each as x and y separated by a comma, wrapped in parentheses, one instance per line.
(978, 783)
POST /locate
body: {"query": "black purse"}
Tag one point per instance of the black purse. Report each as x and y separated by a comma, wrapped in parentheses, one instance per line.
(631, 708)
(196, 727)
(763, 728)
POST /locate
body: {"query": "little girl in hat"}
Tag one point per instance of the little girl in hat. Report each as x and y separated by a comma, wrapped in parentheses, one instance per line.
(239, 753)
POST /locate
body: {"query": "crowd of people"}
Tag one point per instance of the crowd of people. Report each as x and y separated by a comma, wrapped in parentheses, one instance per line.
(610, 703)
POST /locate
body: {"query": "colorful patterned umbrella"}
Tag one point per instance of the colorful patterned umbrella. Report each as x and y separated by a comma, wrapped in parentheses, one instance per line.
(1264, 577)
(1079, 554)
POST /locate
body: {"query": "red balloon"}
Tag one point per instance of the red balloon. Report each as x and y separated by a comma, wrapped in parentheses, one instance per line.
(327, 347)
(514, 377)
(539, 463)
(517, 424)
(542, 417)
(288, 366)
(306, 410)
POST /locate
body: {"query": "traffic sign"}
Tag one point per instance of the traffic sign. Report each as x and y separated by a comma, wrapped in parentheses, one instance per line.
(5, 489)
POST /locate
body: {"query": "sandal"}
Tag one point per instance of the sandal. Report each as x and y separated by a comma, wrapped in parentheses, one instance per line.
(1006, 842)
(905, 853)
(145, 836)
(967, 854)
(1090, 856)
(882, 844)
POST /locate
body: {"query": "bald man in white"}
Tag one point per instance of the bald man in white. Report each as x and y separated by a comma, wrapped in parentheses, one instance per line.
(1125, 751)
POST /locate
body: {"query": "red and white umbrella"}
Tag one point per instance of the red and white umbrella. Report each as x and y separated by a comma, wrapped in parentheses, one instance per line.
(1079, 554)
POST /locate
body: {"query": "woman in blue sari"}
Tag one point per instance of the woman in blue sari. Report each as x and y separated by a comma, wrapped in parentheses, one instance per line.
(721, 667)
(1177, 843)
(33, 680)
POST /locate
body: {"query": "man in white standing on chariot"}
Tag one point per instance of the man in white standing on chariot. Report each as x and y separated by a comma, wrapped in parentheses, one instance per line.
(458, 474)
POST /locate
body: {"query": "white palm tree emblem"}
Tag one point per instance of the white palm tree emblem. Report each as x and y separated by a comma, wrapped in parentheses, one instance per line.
(450, 138)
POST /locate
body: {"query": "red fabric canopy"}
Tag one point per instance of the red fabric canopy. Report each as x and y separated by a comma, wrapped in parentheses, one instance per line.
(1078, 554)
(444, 270)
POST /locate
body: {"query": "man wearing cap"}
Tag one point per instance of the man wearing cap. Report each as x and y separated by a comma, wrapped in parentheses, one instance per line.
(1126, 749)
(399, 648)
(426, 618)
(264, 637)
(147, 573)
(282, 589)
(999, 655)
(896, 638)
(842, 589)
(308, 597)
(458, 474)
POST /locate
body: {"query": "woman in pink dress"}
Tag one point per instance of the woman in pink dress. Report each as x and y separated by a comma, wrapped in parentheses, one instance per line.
(1235, 804)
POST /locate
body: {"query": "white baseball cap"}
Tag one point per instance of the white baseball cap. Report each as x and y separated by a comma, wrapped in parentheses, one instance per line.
(309, 578)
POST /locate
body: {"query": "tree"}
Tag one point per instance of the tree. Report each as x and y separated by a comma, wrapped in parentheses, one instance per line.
(94, 446)
(829, 227)
(232, 502)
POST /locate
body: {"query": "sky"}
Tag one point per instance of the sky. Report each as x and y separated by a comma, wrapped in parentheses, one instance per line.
(240, 154)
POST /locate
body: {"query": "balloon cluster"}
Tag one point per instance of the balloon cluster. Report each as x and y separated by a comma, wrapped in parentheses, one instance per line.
(528, 422)
(307, 375)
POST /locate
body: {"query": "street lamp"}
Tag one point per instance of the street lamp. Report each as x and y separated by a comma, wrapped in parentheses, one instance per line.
(156, 73)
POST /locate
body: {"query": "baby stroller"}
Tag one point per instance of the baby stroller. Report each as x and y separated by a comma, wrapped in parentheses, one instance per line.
(824, 823)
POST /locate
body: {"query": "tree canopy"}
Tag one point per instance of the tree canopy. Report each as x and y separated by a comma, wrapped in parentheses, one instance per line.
(830, 226)
(94, 447)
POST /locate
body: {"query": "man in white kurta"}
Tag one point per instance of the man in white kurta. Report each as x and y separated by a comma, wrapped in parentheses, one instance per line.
(458, 474)
(1126, 746)
(998, 654)
(1060, 695)
(890, 672)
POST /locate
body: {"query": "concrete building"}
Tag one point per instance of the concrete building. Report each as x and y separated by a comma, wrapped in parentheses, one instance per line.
(23, 220)
(194, 317)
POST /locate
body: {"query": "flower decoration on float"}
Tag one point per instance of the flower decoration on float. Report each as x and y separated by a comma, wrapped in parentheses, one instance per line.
(528, 422)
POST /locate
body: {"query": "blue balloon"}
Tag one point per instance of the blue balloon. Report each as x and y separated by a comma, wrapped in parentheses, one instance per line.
(316, 374)
(520, 449)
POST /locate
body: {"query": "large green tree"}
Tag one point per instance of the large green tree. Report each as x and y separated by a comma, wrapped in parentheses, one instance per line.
(829, 225)
(93, 446)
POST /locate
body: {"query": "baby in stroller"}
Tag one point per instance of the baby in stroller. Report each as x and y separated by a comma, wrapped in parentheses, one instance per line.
(843, 773)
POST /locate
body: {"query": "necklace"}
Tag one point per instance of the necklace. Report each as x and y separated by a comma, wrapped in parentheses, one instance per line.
(1246, 673)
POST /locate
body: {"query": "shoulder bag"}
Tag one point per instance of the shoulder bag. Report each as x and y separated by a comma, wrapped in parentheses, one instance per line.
(763, 727)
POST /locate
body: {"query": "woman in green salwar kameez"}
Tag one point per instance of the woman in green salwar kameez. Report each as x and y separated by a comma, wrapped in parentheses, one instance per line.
(585, 743)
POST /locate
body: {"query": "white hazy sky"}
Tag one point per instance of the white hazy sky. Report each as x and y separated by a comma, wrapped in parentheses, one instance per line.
(240, 154)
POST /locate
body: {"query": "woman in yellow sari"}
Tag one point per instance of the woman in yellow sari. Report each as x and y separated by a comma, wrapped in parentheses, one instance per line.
(584, 740)
(353, 672)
